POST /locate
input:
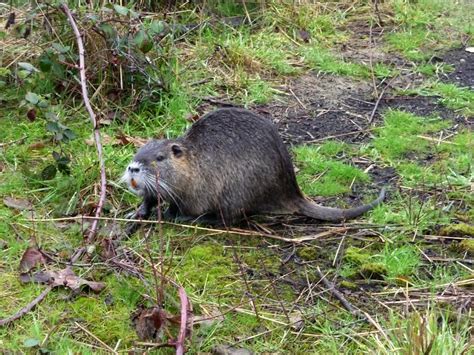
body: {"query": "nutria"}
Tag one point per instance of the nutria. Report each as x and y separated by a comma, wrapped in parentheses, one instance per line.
(231, 163)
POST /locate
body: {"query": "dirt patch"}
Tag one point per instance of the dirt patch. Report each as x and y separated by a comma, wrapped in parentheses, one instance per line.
(463, 63)
(366, 45)
(321, 106)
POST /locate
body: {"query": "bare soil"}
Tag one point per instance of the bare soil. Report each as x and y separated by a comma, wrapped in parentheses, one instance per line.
(463, 63)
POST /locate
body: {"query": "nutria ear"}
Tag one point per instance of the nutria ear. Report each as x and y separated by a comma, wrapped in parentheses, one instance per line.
(177, 150)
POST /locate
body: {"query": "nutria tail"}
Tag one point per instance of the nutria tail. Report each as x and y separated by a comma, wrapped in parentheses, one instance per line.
(310, 209)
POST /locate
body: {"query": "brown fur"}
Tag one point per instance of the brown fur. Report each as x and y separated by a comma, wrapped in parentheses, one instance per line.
(231, 163)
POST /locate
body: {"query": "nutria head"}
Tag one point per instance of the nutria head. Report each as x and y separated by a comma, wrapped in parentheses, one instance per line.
(156, 168)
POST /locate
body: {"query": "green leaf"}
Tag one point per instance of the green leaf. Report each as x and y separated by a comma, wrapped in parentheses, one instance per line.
(53, 127)
(69, 134)
(45, 63)
(49, 172)
(108, 30)
(51, 116)
(143, 41)
(60, 48)
(31, 342)
(121, 10)
(32, 98)
(3, 35)
(43, 104)
(27, 67)
(156, 27)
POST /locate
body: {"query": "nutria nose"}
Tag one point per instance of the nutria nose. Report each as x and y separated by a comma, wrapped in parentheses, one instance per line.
(133, 170)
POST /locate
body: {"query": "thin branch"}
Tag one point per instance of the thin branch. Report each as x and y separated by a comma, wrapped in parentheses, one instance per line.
(27, 308)
(331, 288)
(185, 310)
(95, 124)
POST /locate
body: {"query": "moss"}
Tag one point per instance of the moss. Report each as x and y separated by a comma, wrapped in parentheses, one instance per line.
(349, 285)
(205, 265)
(457, 230)
(308, 253)
(357, 255)
(467, 245)
(373, 270)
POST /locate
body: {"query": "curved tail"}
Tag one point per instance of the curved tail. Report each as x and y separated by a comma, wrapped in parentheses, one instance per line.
(312, 210)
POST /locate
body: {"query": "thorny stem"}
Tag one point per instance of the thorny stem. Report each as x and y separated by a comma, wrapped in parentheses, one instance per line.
(97, 139)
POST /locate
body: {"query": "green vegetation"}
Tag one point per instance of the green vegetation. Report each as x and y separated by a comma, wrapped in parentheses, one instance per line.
(319, 175)
(405, 263)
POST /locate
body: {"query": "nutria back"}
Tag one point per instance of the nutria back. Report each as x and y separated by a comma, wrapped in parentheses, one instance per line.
(231, 163)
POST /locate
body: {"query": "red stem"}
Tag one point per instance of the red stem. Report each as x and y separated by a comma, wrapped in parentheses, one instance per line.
(184, 321)
(98, 144)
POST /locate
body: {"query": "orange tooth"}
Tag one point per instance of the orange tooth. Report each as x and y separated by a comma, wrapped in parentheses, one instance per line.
(133, 183)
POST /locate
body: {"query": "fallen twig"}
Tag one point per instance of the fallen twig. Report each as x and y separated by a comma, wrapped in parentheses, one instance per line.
(27, 308)
(217, 231)
(97, 139)
(331, 288)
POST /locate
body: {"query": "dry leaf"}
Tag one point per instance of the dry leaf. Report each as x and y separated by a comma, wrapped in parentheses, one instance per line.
(65, 277)
(32, 257)
(105, 139)
(125, 139)
(17, 203)
(36, 146)
(150, 323)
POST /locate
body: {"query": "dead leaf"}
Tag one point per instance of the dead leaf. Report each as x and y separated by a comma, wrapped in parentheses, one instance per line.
(31, 115)
(150, 323)
(36, 146)
(17, 203)
(108, 249)
(31, 258)
(296, 321)
(192, 118)
(125, 139)
(65, 277)
(105, 139)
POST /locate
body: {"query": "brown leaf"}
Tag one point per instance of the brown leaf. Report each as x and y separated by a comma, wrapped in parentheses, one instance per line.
(65, 277)
(192, 118)
(108, 249)
(37, 146)
(31, 258)
(106, 140)
(125, 139)
(31, 114)
(17, 203)
(150, 323)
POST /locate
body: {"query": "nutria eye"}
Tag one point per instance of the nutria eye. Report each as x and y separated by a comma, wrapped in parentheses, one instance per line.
(160, 158)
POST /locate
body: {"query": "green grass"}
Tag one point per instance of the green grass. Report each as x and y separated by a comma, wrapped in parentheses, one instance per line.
(430, 192)
(319, 175)
(400, 134)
